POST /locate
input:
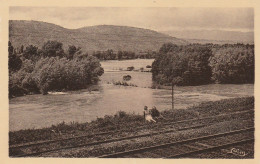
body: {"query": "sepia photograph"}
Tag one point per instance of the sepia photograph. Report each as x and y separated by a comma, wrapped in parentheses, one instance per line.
(131, 82)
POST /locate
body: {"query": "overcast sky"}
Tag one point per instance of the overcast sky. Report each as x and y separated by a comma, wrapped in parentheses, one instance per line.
(159, 19)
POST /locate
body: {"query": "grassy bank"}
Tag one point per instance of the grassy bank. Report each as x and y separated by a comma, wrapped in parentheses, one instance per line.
(128, 122)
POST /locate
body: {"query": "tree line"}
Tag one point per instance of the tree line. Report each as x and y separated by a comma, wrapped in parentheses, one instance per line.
(123, 55)
(34, 70)
(198, 64)
(51, 68)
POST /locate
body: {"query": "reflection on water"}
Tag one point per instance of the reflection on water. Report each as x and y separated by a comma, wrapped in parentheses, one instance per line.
(36, 111)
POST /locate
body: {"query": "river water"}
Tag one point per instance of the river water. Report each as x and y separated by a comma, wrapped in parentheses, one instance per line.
(37, 111)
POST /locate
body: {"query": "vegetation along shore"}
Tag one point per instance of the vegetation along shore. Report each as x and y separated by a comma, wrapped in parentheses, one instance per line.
(198, 64)
(51, 68)
(123, 121)
(205, 119)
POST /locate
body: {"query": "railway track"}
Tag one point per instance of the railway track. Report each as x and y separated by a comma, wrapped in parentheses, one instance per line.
(106, 141)
(187, 147)
(114, 131)
(33, 149)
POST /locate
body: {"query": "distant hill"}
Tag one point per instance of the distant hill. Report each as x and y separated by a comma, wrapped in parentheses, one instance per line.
(213, 36)
(91, 38)
(205, 41)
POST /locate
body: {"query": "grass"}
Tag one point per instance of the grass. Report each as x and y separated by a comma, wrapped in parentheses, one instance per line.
(124, 121)
(124, 83)
(225, 106)
(157, 140)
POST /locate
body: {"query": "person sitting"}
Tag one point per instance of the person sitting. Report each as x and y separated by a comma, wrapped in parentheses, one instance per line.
(155, 113)
(147, 115)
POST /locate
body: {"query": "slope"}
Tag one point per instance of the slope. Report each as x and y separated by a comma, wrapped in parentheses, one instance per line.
(93, 38)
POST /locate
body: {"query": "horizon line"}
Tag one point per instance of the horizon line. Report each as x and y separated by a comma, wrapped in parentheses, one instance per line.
(176, 29)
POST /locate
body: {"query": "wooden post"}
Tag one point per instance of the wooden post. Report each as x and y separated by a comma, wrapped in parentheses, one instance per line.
(172, 97)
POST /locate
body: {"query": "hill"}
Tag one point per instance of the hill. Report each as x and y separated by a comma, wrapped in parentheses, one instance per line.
(93, 38)
(213, 36)
(205, 41)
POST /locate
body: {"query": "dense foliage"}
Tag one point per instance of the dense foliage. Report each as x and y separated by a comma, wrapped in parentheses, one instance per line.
(123, 55)
(198, 64)
(36, 70)
(15, 62)
(233, 65)
(183, 65)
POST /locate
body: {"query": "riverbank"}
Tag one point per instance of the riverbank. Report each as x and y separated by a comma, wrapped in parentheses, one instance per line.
(128, 123)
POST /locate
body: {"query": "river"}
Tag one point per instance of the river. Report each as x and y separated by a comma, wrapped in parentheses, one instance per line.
(37, 111)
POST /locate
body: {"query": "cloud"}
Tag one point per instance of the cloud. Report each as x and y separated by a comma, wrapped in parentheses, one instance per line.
(153, 18)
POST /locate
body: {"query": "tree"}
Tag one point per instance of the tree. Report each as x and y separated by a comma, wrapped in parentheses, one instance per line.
(97, 54)
(167, 47)
(119, 55)
(57, 74)
(110, 55)
(14, 62)
(21, 49)
(53, 49)
(183, 65)
(53, 73)
(72, 51)
(31, 52)
(198, 65)
(10, 48)
(233, 64)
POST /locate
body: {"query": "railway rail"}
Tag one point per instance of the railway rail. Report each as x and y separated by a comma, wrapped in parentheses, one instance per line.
(110, 140)
(187, 147)
(114, 131)
(17, 151)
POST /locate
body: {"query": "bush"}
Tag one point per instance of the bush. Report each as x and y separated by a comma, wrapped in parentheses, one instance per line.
(52, 73)
(198, 64)
(127, 77)
(183, 65)
(121, 114)
(233, 65)
(15, 83)
(31, 52)
(52, 49)
(14, 62)
(111, 55)
(124, 83)
(130, 68)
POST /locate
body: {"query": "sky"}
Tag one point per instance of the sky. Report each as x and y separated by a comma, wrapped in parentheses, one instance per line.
(159, 19)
